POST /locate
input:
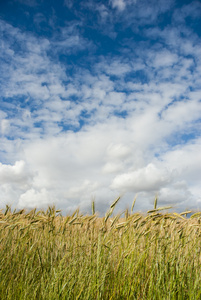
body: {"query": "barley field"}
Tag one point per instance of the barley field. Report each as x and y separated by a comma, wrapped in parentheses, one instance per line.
(44, 255)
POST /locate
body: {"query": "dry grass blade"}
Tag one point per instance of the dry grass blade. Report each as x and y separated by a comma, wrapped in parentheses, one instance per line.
(186, 212)
(8, 210)
(115, 220)
(108, 214)
(136, 220)
(155, 202)
(179, 216)
(73, 220)
(133, 204)
(93, 207)
(115, 202)
(198, 214)
(120, 225)
(110, 211)
(160, 208)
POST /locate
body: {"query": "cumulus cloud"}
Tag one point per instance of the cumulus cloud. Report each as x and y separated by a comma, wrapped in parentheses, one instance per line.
(36, 199)
(15, 173)
(186, 159)
(176, 195)
(14, 180)
(145, 179)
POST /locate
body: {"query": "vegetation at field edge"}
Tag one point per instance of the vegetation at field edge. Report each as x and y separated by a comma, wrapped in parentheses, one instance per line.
(44, 255)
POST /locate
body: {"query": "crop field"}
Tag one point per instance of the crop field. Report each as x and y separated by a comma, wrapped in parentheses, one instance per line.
(44, 255)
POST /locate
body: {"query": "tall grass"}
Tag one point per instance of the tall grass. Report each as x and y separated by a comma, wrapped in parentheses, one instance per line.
(44, 255)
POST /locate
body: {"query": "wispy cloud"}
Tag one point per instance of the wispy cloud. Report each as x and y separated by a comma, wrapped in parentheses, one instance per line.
(119, 4)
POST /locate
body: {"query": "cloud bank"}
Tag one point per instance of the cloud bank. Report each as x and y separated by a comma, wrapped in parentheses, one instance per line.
(87, 112)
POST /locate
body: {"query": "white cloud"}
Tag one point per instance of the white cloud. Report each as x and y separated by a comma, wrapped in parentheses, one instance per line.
(164, 59)
(103, 11)
(119, 4)
(15, 173)
(182, 112)
(149, 178)
(116, 68)
(36, 199)
(138, 13)
(176, 194)
(118, 151)
(115, 126)
(112, 167)
(5, 126)
(186, 159)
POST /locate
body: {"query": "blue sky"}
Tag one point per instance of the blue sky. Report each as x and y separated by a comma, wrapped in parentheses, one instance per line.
(100, 99)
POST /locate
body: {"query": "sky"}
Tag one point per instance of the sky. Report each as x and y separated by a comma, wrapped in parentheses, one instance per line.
(100, 99)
